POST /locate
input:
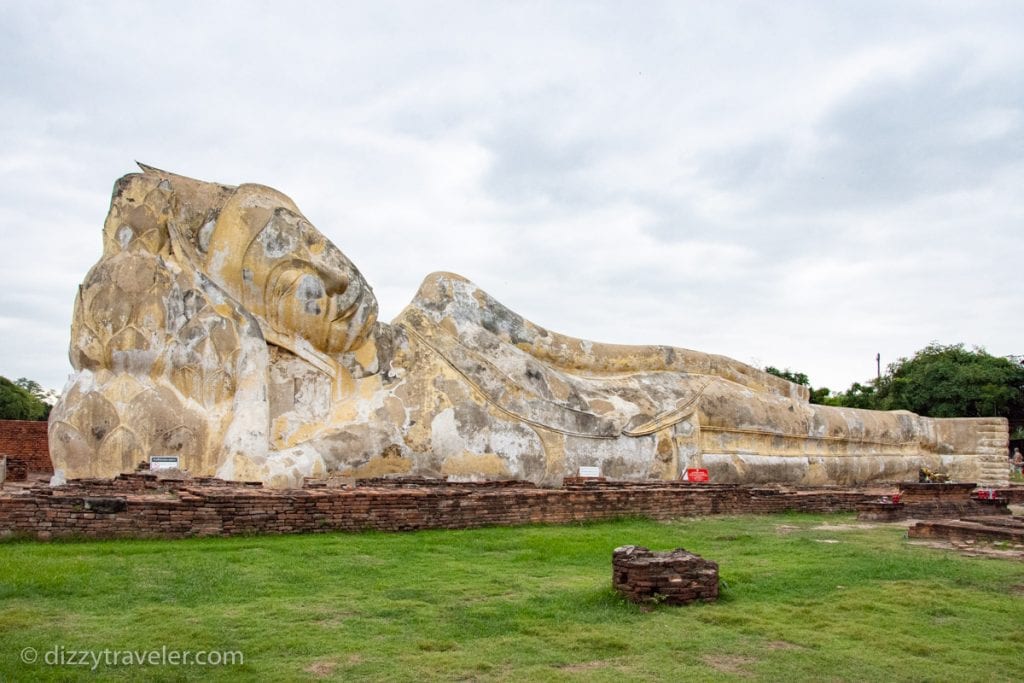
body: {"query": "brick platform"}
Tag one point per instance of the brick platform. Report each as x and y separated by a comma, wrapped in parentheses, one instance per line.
(1014, 493)
(677, 577)
(209, 507)
(1007, 529)
(934, 501)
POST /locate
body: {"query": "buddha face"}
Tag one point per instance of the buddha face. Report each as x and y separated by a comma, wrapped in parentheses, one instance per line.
(312, 289)
(284, 271)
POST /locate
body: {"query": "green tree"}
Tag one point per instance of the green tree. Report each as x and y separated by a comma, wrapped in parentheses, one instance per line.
(31, 386)
(795, 377)
(19, 403)
(952, 381)
(858, 396)
(938, 381)
(822, 395)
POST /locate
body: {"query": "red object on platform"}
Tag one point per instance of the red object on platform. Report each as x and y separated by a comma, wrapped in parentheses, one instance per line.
(693, 474)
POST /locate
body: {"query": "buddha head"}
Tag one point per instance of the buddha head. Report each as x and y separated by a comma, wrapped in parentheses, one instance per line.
(255, 244)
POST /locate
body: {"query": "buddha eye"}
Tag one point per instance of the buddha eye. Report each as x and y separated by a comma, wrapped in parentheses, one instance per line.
(310, 291)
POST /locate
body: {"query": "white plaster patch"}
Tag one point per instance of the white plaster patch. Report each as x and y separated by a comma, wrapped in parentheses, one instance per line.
(445, 439)
(217, 261)
(249, 429)
(623, 409)
(124, 235)
(365, 408)
(513, 441)
(287, 468)
(204, 235)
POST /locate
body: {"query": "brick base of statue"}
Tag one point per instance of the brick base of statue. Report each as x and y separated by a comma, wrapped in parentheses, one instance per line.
(917, 500)
(677, 577)
(990, 529)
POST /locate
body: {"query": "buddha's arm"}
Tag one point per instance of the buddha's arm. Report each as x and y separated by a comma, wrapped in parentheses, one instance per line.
(580, 355)
(454, 302)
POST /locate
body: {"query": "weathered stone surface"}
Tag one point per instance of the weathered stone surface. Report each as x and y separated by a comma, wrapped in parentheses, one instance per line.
(676, 577)
(220, 326)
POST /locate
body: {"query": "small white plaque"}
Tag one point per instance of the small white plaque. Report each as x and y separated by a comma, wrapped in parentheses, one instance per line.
(590, 471)
(163, 462)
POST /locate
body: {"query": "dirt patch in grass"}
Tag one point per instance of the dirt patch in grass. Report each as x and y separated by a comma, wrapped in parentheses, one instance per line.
(333, 620)
(321, 668)
(729, 664)
(585, 666)
(855, 526)
(782, 645)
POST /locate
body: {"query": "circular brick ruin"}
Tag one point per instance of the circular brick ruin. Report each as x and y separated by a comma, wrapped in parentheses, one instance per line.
(676, 577)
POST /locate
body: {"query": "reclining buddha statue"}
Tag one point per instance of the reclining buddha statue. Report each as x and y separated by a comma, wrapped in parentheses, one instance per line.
(221, 328)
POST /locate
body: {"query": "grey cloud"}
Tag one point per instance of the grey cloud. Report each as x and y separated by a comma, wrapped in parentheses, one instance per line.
(539, 164)
(894, 143)
(889, 142)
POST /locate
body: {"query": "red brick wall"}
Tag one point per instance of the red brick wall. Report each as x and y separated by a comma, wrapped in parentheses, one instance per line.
(25, 441)
(138, 506)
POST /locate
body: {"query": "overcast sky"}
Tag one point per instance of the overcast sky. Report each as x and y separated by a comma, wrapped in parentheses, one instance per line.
(793, 184)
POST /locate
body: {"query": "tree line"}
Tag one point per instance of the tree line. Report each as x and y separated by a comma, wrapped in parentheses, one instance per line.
(937, 381)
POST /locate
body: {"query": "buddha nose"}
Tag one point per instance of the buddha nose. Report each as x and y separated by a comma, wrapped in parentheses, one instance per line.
(345, 301)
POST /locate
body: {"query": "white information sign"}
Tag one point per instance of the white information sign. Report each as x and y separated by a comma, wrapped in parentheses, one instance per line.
(163, 462)
(590, 471)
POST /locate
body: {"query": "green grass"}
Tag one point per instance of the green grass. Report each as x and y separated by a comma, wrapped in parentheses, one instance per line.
(527, 603)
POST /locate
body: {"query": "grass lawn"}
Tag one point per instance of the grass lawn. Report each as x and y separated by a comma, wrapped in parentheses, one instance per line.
(803, 598)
